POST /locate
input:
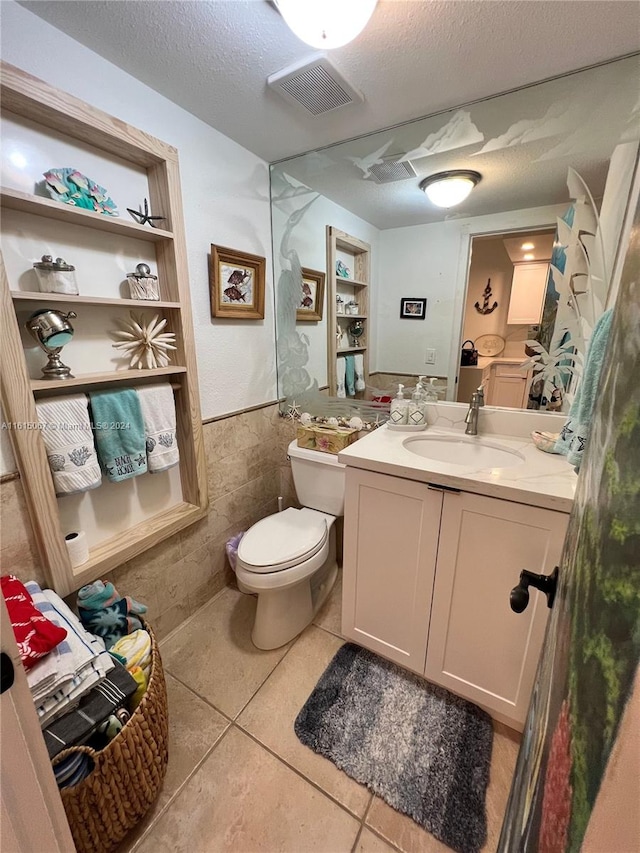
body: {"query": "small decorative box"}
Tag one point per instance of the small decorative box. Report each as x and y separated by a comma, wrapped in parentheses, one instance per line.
(326, 439)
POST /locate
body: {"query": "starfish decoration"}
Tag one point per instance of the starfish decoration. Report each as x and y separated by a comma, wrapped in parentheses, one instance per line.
(293, 412)
(145, 217)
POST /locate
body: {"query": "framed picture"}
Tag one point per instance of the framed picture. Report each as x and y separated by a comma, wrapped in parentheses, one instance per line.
(311, 296)
(236, 281)
(413, 309)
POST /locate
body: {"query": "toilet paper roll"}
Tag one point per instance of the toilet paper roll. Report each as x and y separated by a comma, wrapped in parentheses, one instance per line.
(77, 548)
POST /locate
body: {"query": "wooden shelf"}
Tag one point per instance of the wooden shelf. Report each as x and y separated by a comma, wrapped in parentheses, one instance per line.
(36, 101)
(351, 281)
(102, 378)
(111, 553)
(358, 259)
(33, 296)
(16, 200)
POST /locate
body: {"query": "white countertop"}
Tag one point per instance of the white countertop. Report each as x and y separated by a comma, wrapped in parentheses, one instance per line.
(541, 479)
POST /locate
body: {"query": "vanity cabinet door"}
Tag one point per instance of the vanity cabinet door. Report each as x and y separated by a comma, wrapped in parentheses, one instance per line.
(478, 647)
(390, 543)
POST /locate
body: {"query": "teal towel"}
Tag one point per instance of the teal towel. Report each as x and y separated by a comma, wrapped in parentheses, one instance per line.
(574, 434)
(119, 433)
(104, 612)
(350, 375)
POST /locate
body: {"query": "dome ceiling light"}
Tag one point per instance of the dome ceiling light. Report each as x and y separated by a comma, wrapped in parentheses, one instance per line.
(447, 189)
(326, 24)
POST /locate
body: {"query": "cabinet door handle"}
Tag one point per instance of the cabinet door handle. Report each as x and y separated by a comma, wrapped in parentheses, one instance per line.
(519, 597)
(450, 489)
(6, 672)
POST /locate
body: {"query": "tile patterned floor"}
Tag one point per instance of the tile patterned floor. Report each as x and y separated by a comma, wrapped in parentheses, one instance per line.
(239, 781)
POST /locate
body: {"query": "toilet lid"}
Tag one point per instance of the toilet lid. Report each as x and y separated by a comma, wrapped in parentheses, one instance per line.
(282, 540)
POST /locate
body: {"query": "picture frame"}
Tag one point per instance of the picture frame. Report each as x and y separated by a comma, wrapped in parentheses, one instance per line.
(236, 284)
(311, 303)
(413, 309)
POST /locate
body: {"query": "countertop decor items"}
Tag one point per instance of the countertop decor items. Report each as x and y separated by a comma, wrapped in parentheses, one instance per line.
(70, 186)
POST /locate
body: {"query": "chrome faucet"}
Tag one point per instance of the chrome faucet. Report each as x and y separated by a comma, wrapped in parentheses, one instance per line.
(471, 420)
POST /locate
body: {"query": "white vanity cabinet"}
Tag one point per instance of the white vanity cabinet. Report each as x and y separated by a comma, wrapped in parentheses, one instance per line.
(427, 577)
(390, 549)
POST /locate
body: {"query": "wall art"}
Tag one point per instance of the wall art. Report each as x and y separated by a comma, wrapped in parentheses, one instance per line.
(312, 296)
(413, 309)
(236, 284)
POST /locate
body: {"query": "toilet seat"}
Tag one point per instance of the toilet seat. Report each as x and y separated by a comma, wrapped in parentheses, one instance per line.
(283, 540)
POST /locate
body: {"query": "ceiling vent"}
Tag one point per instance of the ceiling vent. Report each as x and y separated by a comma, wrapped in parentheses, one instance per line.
(390, 170)
(316, 85)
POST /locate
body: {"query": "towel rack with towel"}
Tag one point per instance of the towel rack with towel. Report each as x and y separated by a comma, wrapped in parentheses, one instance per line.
(55, 111)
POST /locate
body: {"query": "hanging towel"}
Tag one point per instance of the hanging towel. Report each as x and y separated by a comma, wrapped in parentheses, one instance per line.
(350, 375)
(159, 417)
(104, 612)
(119, 432)
(574, 434)
(340, 372)
(359, 365)
(66, 430)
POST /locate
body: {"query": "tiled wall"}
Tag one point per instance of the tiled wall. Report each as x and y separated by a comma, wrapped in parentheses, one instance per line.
(247, 471)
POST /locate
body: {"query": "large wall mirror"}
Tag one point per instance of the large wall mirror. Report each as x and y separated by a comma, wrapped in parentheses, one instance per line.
(501, 289)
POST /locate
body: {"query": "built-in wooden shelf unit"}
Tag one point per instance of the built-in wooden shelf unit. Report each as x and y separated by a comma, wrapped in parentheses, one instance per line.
(32, 99)
(358, 254)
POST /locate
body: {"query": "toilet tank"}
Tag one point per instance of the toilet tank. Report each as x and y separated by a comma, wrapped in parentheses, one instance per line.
(319, 479)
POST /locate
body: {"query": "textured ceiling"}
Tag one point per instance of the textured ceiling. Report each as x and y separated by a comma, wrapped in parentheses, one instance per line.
(414, 58)
(522, 144)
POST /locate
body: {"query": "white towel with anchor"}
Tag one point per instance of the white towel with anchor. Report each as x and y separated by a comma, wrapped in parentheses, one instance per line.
(68, 438)
(359, 365)
(340, 374)
(159, 417)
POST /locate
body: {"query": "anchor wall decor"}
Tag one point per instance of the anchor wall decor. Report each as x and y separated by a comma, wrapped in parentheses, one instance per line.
(486, 293)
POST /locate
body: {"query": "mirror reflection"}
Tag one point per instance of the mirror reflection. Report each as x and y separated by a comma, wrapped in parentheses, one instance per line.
(502, 288)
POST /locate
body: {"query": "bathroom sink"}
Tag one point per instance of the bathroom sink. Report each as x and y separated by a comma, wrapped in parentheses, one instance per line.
(463, 451)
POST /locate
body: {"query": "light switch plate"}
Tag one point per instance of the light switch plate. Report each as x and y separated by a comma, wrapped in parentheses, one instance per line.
(430, 357)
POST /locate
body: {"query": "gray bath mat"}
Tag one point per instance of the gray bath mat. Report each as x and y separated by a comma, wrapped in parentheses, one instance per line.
(421, 749)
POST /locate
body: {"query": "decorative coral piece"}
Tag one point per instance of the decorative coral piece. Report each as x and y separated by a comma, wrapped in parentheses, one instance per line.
(144, 342)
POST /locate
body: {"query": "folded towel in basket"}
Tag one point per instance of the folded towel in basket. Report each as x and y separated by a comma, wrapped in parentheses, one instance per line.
(119, 432)
(136, 648)
(159, 417)
(68, 438)
(99, 703)
(104, 612)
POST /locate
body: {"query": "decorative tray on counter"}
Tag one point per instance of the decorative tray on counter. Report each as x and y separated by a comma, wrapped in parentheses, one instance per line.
(406, 427)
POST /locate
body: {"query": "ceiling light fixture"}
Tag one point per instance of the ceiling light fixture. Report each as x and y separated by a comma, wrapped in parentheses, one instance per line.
(526, 246)
(446, 189)
(529, 257)
(326, 24)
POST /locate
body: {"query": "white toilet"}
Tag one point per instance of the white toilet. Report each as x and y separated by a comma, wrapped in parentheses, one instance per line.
(289, 559)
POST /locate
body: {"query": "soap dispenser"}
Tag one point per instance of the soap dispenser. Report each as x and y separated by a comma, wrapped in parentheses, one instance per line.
(418, 406)
(431, 392)
(399, 413)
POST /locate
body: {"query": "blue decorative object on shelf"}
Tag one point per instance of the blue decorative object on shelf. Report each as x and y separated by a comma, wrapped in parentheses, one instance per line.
(342, 270)
(72, 187)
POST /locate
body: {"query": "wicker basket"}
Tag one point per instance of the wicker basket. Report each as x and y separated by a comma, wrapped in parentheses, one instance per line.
(127, 775)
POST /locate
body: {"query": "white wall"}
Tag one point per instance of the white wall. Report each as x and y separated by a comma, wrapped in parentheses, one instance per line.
(308, 238)
(225, 191)
(432, 261)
